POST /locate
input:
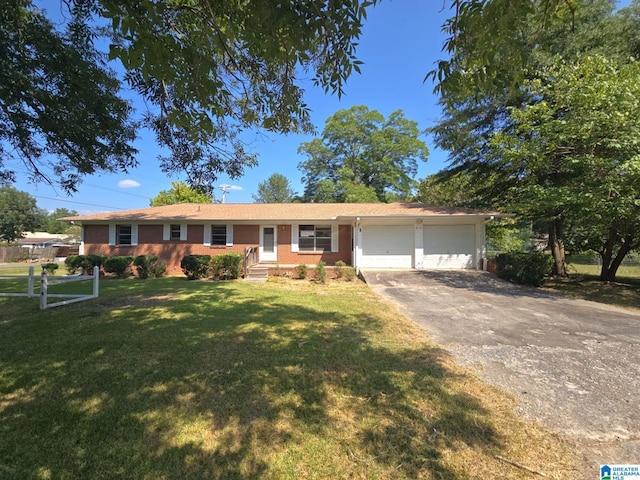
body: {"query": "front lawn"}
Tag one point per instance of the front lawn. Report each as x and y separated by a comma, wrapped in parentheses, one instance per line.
(171, 379)
(583, 283)
(623, 293)
(624, 272)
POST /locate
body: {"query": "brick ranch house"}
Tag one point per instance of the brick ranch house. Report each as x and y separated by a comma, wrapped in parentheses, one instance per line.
(374, 235)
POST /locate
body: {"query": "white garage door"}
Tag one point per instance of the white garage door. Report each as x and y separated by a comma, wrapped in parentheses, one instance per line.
(449, 246)
(387, 246)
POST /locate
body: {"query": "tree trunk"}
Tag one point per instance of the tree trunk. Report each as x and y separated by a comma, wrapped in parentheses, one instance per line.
(557, 248)
(610, 264)
(610, 275)
(606, 254)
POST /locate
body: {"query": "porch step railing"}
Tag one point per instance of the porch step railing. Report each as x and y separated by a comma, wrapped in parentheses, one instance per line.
(250, 259)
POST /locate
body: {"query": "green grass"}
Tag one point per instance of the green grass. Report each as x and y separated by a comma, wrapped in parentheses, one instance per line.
(625, 272)
(170, 379)
(583, 283)
(22, 268)
(19, 282)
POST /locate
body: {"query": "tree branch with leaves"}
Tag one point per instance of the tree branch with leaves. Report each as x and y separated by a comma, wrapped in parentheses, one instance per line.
(363, 157)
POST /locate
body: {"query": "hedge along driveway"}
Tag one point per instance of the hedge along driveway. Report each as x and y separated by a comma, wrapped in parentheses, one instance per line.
(172, 379)
(573, 364)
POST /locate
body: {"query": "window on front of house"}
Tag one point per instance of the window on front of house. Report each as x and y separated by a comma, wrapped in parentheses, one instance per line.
(174, 232)
(218, 235)
(314, 238)
(123, 234)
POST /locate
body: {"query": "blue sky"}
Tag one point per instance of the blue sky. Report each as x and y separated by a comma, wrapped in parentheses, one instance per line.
(401, 42)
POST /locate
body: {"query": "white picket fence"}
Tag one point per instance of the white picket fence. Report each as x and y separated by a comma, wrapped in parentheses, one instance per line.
(45, 281)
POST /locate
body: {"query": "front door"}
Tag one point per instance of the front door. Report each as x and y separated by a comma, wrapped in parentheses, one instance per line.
(268, 243)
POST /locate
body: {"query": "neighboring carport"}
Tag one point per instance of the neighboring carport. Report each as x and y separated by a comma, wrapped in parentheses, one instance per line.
(573, 365)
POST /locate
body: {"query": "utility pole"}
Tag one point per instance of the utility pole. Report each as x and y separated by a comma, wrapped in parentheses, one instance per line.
(225, 189)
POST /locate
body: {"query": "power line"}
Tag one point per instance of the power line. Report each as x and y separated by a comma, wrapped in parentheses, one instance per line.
(58, 199)
(77, 203)
(120, 192)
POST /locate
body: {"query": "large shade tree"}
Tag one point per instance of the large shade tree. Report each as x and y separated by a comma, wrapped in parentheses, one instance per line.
(362, 156)
(180, 192)
(491, 46)
(472, 118)
(206, 70)
(53, 225)
(576, 155)
(18, 214)
(61, 116)
(275, 189)
(451, 190)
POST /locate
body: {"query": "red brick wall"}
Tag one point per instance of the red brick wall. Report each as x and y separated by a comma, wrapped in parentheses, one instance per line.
(96, 241)
(492, 266)
(94, 234)
(247, 235)
(287, 257)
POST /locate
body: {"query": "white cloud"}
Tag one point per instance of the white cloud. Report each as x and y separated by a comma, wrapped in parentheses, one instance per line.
(128, 184)
(229, 187)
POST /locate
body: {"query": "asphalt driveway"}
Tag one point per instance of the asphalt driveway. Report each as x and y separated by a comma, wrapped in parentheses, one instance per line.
(573, 365)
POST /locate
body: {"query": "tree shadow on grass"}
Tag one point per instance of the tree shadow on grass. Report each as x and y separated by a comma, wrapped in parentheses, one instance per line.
(214, 382)
(622, 293)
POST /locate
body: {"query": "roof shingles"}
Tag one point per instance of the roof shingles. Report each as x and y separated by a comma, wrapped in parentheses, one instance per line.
(276, 211)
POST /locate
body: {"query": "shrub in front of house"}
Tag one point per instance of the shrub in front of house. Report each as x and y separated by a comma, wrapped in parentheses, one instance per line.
(301, 271)
(50, 268)
(525, 268)
(339, 268)
(73, 263)
(93, 260)
(349, 274)
(120, 266)
(158, 269)
(344, 272)
(226, 266)
(149, 266)
(83, 263)
(320, 272)
(195, 266)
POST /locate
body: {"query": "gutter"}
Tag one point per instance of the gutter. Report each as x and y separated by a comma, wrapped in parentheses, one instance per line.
(418, 217)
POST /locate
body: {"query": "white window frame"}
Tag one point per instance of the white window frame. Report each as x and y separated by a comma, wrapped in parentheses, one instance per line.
(166, 232)
(113, 234)
(228, 235)
(295, 238)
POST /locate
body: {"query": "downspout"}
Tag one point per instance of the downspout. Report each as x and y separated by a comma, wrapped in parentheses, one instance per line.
(484, 241)
(356, 245)
(81, 247)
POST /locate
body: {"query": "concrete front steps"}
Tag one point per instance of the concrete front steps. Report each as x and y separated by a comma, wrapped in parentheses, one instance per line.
(257, 273)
